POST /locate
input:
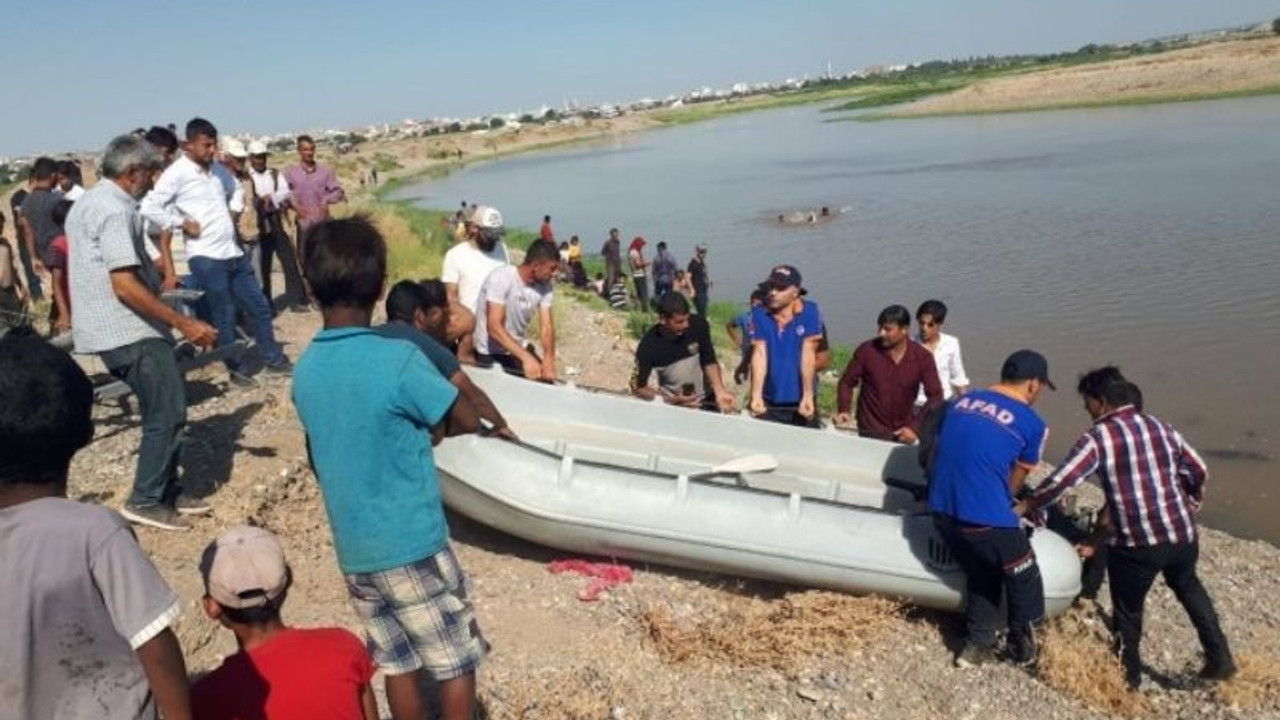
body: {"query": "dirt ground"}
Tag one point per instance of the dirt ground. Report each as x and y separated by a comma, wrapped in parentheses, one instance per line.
(1239, 66)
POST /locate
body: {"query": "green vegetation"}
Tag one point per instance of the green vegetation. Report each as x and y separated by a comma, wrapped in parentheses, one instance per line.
(383, 162)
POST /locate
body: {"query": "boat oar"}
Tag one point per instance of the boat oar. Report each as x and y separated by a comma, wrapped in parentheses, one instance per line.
(740, 466)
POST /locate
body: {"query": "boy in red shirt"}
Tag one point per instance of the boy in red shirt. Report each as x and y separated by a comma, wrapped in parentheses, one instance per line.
(280, 672)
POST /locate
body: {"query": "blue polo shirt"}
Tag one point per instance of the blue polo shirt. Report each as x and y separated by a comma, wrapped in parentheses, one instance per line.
(782, 382)
(985, 434)
(367, 403)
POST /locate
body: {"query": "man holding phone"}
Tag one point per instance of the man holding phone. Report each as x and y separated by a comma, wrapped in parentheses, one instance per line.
(680, 350)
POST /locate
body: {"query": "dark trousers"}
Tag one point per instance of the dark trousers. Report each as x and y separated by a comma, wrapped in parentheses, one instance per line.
(995, 560)
(788, 415)
(150, 370)
(1132, 572)
(700, 301)
(661, 287)
(34, 287)
(226, 285)
(1094, 570)
(272, 241)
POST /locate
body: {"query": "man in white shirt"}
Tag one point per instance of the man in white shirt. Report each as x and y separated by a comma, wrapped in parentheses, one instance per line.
(508, 301)
(192, 197)
(270, 194)
(466, 265)
(945, 348)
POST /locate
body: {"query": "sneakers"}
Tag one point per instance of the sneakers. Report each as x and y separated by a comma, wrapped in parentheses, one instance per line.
(284, 367)
(161, 517)
(241, 380)
(189, 505)
(1218, 670)
(974, 655)
(1021, 647)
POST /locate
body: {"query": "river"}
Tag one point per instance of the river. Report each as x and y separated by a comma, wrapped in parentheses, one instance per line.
(1141, 236)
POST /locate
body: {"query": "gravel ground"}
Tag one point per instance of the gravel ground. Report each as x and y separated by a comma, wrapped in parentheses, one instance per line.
(556, 657)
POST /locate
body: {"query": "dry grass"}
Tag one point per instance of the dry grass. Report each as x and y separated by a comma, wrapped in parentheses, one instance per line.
(579, 694)
(1076, 660)
(779, 634)
(1256, 687)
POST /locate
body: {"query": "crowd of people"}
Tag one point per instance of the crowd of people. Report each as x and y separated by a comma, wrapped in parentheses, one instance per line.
(400, 387)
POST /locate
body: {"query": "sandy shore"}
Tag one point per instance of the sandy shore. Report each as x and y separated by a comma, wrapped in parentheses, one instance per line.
(1212, 70)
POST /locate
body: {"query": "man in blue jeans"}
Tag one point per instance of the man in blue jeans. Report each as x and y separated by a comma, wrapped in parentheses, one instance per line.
(120, 317)
(191, 197)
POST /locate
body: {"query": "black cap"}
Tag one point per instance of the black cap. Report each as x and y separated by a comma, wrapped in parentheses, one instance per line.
(1027, 365)
(784, 276)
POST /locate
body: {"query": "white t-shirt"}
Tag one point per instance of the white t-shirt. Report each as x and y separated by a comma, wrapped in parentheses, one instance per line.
(467, 267)
(504, 287)
(950, 367)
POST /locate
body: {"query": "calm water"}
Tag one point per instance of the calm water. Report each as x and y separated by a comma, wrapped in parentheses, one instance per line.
(1146, 237)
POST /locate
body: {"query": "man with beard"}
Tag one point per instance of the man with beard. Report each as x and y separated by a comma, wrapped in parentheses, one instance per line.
(679, 349)
(612, 252)
(466, 265)
(192, 197)
(313, 188)
(891, 370)
(120, 317)
(508, 301)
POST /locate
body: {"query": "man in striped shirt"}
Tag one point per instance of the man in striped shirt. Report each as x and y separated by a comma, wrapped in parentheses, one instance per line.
(1154, 484)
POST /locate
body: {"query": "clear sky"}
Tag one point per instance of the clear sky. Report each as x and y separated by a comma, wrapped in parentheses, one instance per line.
(80, 71)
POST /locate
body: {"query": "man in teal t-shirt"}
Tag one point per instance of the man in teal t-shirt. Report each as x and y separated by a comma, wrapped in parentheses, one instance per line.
(371, 407)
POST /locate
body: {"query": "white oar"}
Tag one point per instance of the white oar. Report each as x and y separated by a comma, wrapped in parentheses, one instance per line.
(741, 465)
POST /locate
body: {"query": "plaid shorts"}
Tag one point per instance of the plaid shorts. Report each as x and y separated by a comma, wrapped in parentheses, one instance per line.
(418, 616)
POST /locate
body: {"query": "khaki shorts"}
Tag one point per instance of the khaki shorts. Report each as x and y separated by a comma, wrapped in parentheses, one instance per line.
(419, 616)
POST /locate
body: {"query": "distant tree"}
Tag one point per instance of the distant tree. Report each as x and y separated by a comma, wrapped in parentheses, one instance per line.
(496, 122)
(1275, 26)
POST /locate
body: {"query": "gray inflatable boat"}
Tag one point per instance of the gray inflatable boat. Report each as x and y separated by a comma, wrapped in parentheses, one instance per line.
(620, 477)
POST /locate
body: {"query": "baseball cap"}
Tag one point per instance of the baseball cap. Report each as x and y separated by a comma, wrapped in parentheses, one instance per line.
(1027, 365)
(233, 147)
(244, 568)
(784, 276)
(486, 217)
(257, 147)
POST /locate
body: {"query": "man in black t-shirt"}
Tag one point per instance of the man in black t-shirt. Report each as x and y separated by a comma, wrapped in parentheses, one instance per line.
(679, 349)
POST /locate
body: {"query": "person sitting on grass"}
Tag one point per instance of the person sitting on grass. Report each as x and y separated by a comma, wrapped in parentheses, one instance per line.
(419, 312)
(278, 672)
(355, 390)
(87, 620)
(679, 348)
(509, 299)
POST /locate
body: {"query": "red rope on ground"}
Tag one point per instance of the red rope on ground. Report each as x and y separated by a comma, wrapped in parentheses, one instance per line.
(603, 575)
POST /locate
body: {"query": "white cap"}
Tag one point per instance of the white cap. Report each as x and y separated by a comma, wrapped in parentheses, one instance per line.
(486, 217)
(233, 147)
(257, 147)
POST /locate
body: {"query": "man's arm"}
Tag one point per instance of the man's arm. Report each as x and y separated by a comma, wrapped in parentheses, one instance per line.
(496, 315)
(759, 368)
(910, 432)
(369, 702)
(1192, 472)
(1081, 462)
(844, 390)
(164, 243)
(482, 404)
(808, 363)
(129, 289)
(735, 332)
(462, 417)
(333, 192)
(640, 371)
(724, 398)
(29, 237)
(158, 205)
(161, 660)
(547, 332)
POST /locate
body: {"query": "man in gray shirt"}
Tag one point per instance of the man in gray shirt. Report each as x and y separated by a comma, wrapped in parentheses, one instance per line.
(87, 621)
(120, 317)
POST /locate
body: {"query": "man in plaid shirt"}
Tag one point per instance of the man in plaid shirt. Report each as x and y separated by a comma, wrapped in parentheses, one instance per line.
(1154, 485)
